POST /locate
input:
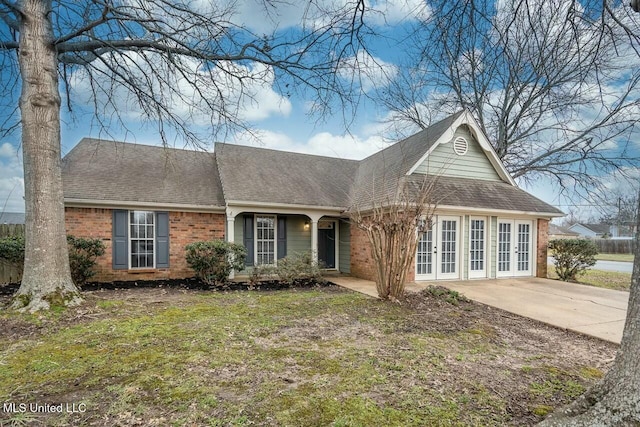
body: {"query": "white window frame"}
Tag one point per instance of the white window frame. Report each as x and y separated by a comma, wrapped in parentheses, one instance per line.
(275, 238)
(132, 239)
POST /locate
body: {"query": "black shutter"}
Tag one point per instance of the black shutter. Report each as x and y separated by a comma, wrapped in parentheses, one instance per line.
(282, 237)
(248, 238)
(120, 241)
(162, 240)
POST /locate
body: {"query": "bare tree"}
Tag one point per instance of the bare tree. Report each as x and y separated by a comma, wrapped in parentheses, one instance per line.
(615, 401)
(553, 83)
(172, 63)
(393, 225)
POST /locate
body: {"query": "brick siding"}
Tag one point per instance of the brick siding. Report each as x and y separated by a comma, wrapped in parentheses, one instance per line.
(184, 228)
(362, 264)
(541, 250)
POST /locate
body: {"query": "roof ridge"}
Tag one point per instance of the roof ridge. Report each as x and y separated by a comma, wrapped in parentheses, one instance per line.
(223, 144)
(137, 144)
(451, 117)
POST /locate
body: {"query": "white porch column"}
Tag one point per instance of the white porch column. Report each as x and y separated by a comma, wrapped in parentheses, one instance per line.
(314, 235)
(230, 234)
(314, 240)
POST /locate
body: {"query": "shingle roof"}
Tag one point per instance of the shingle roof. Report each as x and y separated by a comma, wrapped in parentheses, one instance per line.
(482, 194)
(558, 230)
(379, 173)
(253, 174)
(108, 170)
(115, 171)
(598, 228)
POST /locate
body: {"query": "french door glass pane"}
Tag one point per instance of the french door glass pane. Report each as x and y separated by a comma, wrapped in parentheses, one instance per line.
(504, 246)
(477, 245)
(523, 246)
(425, 253)
(448, 244)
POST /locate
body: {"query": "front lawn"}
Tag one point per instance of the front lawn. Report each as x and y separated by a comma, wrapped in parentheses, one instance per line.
(615, 257)
(314, 357)
(599, 278)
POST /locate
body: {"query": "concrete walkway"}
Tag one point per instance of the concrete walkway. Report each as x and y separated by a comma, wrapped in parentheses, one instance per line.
(586, 309)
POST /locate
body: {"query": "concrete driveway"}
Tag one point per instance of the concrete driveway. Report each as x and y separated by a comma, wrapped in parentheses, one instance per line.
(592, 311)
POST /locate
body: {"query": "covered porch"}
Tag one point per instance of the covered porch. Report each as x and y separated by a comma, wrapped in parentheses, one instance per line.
(271, 233)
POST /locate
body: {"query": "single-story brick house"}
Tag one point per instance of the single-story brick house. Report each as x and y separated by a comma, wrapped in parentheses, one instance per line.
(148, 202)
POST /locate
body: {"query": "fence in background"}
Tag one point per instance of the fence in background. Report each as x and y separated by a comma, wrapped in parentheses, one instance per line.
(614, 246)
(8, 272)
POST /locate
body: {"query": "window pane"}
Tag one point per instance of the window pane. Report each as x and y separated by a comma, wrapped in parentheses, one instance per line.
(140, 216)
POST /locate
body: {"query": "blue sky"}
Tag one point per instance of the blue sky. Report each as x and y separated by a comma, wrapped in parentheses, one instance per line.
(278, 121)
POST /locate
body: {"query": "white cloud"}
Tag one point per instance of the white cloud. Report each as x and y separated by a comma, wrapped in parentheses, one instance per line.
(392, 12)
(322, 144)
(265, 18)
(7, 150)
(11, 180)
(198, 96)
(368, 71)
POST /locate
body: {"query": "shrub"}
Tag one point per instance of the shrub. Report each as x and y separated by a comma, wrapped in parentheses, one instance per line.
(83, 253)
(573, 256)
(298, 266)
(214, 260)
(12, 250)
(260, 273)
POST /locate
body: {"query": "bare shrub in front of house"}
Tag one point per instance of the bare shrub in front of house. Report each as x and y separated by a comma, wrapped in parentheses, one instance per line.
(392, 224)
(573, 256)
(214, 260)
(298, 266)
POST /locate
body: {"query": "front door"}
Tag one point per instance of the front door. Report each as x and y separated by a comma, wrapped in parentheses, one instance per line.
(437, 256)
(514, 247)
(327, 244)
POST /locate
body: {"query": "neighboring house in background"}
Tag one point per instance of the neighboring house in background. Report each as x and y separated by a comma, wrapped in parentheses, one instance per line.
(593, 231)
(558, 232)
(11, 218)
(148, 202)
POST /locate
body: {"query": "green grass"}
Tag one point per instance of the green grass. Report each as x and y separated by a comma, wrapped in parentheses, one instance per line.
(615, 257)
(599, 278)
(305, 358)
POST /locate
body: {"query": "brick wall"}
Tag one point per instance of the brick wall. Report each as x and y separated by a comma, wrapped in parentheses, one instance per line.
(541, 250)
(362, 264)
(361, 260)
(184, 228)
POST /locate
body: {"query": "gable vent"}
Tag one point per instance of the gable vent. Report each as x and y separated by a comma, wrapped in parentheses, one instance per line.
(460, 146)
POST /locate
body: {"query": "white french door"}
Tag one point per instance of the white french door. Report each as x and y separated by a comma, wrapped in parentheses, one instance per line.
(514, 248)
(477, 247)
(438, 254)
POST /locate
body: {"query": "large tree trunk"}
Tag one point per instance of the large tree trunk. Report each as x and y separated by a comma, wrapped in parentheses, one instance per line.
(616, 400)
(46, 279)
